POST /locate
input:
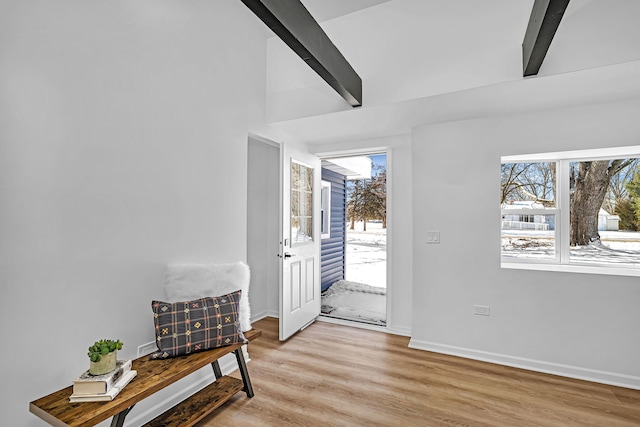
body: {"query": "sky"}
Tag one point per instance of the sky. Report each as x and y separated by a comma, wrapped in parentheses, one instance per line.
(379, 160)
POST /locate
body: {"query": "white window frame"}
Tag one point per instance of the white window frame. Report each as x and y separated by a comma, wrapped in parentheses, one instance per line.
(325, 210)
(562, 260)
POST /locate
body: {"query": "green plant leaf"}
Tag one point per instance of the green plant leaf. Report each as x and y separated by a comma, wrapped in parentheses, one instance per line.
(104, 346)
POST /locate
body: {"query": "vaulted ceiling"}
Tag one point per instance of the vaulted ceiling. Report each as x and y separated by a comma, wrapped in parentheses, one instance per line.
(429, 61)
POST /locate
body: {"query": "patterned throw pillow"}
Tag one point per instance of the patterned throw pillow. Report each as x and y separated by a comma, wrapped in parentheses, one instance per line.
(191, 326)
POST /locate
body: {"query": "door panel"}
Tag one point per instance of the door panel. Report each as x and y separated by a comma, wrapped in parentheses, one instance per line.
(300, 244)
(310, 280)
(294, 286)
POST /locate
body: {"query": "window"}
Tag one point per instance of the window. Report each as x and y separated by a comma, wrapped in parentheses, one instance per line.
(301, 203)
(529, 212)
(572, 211)
(325, 210)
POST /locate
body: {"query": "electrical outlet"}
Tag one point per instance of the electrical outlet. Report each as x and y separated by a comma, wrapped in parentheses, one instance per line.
(147, 348)
(482, 310)
(433, 236)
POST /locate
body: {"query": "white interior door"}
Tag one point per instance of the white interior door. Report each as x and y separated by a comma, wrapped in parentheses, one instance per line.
(300, 244)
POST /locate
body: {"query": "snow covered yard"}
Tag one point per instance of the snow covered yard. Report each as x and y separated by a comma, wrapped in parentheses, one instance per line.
(362, 295)
(618, 247)
(367, 254)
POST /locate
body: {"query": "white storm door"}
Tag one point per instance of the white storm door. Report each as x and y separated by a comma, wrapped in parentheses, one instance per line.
(300, 244)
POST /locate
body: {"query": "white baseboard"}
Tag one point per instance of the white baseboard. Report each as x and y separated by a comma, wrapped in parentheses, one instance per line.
(405, 332)
(267, 313)
(227, 363)
(258, 316)
(610, 378)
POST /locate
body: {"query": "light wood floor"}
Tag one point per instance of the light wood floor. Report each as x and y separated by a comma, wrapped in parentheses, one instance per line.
(332, 375)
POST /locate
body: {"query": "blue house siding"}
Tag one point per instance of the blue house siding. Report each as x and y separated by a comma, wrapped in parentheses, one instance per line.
(332, 258)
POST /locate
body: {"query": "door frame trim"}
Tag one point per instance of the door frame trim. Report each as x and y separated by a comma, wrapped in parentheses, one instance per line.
(389, 153)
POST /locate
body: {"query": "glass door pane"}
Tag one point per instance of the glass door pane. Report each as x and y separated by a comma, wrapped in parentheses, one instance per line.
(301, 203)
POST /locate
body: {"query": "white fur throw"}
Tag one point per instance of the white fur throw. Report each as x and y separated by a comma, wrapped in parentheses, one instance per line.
(185, 282)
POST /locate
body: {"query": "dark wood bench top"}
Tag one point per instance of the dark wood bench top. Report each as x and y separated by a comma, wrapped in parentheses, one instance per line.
(153, 375)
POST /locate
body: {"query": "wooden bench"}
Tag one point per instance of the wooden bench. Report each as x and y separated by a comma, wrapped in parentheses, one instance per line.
(153, 375)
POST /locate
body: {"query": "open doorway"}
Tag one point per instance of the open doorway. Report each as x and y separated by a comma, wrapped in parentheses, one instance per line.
(263, 232)
(354, 238)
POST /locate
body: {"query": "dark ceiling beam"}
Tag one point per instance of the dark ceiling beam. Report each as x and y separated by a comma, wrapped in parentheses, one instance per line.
(543, 23)
(293, 23)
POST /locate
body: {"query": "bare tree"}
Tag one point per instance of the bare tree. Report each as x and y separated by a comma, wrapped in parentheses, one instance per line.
(379, 197)
(367, 200)
(355, 202)
(528, 181)
(509, 178)
(618, 192)
(589, 182)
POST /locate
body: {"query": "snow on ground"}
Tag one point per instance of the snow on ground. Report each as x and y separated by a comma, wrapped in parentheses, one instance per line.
(355, 301)
(362, 296)
(618, 247)
(367, 254)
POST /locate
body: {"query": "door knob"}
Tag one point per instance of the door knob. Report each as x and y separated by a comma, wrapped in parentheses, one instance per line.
(286, 255)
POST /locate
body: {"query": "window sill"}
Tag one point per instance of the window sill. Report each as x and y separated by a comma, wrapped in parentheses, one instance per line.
(573, 268)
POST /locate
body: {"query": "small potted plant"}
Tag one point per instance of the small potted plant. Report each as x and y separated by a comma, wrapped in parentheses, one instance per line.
(103, 355)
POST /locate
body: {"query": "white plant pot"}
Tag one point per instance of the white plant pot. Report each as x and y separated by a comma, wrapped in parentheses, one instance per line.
(107, 363)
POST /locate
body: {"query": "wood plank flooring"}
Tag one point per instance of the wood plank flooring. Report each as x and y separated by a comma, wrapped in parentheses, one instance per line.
(333, 375)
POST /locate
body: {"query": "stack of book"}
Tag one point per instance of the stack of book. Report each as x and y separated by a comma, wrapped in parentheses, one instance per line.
(102, 388)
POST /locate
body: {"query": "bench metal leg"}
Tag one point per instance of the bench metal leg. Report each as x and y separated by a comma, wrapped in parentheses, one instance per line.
(216, 369)
(118, 419)
(242, 366)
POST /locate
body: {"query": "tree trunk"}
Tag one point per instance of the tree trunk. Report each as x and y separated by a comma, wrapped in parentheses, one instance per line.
(364, 224)
(590, 187)
(353, 223)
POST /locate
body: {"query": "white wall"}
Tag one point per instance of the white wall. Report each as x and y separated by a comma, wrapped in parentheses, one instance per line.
(399, 221)
(123, 145)
(576, 324)
(576, 46)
